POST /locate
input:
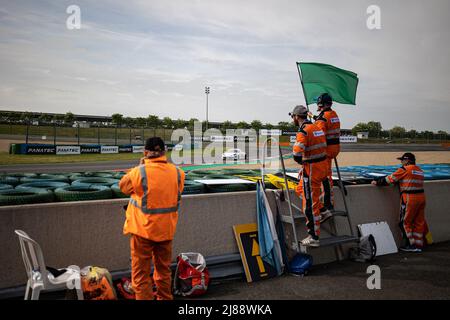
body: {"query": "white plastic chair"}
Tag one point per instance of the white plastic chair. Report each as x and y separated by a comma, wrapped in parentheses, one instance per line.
(39, 278)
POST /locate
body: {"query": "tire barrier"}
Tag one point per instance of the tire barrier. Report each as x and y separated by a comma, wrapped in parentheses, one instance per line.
(9, 180)
(117, 192)
(19, 175)
(227, 188)
(83, 193)
(193, 187)
(76, 176)
(85, 184)
(237, 172)
(25, 196)
(49, 185)
(95, 181)
(65, 174)
(119, 175)
(193, 177)
(45, 177)
(256, 178)
(252, 186)
(5, 186)
(203, 172)
(218, 176)
(99, 174)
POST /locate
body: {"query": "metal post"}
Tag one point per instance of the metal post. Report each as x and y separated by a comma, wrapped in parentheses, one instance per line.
(130, 135)
(54, 134)
(115, 138)
(78, 134)
(344, 193)
(288, 195)
(27, 133)
(98, 134)
(142, 137)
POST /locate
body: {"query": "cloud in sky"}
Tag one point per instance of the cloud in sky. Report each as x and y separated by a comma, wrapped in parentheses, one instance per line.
(155, 57)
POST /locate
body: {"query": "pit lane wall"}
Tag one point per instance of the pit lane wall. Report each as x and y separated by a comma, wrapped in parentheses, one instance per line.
(90, 233)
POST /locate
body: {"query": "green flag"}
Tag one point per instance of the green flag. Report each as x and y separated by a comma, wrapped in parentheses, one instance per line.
(318, 78)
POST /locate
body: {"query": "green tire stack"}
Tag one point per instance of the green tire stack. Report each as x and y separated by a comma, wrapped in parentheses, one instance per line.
(100, 174)
(193, 187)
(45, 177)
(83, 193)
(48, 185)
(117, 192)
(9, 180)
(95, 181)
(227, 188)
(25, 196)
(5, 186)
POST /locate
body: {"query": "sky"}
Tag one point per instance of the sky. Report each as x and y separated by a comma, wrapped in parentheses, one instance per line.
(141, 57)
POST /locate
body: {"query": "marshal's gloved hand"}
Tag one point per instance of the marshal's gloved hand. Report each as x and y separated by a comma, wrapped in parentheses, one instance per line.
(312, 116)
(380, 181)
(298, 159)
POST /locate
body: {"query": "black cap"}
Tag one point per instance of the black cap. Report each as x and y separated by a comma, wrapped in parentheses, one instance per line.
(408, 156)
(154, 144)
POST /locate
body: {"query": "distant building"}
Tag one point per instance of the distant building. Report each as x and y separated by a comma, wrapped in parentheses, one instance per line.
(346, 132)
(78, 118)
(81, 124)
(363, 135)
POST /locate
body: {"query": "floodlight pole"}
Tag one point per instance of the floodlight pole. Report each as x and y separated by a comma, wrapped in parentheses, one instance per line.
(207, 90)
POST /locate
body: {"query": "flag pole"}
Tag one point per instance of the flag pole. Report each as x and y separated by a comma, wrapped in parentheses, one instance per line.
(301, 82)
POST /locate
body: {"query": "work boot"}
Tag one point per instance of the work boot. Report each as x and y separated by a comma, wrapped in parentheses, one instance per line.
(325, 214)
(309, 241)
(410, 248)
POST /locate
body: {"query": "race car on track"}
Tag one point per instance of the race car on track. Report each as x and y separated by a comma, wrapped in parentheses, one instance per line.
(234, 154)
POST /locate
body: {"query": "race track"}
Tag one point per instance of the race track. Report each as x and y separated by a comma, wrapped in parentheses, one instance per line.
(126, 164)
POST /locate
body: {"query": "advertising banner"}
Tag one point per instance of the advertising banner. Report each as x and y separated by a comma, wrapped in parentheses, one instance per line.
(348, 139)
(109, 149)
(138, 149)
(65, 150)
(40, 149)
(126, 149)
(90, 149)
(273, 132)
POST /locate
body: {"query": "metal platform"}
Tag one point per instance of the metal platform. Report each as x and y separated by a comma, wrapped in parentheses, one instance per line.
(334, 241)
(298, 215)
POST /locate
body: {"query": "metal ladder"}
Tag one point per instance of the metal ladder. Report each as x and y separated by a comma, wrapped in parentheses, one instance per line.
(333, 241)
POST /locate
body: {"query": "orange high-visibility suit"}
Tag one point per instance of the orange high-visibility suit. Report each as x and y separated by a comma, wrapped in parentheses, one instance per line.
(155, 193)
(412, 205)
(330, 124)
(311, 147)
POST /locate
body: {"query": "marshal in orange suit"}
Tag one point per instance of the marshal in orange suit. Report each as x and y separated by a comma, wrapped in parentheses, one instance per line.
(412, 223)
(155, 188)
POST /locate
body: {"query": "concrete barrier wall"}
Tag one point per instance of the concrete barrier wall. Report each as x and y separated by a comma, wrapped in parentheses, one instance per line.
(90, 233)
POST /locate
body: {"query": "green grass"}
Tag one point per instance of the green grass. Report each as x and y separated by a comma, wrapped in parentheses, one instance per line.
(11, 159)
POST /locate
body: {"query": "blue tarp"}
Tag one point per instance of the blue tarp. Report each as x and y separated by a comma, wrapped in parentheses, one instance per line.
(364, 174)
(432, 171)
(269, 247)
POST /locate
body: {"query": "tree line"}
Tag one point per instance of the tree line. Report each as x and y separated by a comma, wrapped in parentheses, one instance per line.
(151, 121)
(374, 129)
(18, 117)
